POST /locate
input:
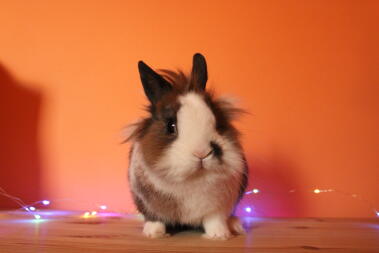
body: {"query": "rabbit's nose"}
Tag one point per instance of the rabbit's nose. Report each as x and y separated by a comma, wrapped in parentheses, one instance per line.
(202, 154)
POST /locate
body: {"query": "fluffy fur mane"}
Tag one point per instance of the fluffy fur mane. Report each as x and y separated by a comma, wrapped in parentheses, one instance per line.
(223, 107)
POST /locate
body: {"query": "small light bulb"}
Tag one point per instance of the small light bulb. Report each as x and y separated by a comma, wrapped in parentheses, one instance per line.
(93, 213)
(46, 202)
(377, 213)
(103, 207)
(317, 191)
(86, 214)
(255, 191)
(37, 216)
(248, 209)
(32, 208)
(27, 209)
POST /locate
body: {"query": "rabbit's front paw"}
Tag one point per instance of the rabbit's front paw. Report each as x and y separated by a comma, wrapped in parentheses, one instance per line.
(218, 235)
(235, 226)
(216, 228)
(155, 229)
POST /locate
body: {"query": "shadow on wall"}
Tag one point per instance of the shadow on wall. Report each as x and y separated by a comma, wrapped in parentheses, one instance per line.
(20, 168)
(274, 177)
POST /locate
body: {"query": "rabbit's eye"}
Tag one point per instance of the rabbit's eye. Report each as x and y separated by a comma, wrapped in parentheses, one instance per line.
(171, 127)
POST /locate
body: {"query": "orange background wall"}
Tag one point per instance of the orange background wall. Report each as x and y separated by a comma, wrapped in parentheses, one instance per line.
(306, 70)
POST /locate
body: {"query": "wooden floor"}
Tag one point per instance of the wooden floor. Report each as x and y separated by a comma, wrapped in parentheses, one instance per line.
(70, 233)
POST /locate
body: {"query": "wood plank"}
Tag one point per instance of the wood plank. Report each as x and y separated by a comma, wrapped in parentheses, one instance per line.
(74, 234)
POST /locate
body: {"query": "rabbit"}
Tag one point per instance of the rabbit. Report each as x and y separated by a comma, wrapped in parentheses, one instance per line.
(186, 163)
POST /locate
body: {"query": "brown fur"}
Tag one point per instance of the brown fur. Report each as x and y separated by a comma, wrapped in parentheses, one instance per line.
(165, 207)
(153, 143)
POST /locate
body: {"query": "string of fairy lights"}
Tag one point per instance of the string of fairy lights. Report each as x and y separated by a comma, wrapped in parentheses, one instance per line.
(371, 206)
(32, 208)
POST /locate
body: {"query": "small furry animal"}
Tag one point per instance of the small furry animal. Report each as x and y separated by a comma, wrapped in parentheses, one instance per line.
(187, 165)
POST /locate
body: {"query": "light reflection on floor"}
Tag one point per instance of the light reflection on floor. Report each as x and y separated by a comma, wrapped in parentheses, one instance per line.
(21, 216)
(32, 222)
(249, 223)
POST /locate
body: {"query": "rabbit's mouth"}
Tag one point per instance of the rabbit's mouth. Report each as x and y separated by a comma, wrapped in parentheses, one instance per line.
(198, 171)
(200, 165)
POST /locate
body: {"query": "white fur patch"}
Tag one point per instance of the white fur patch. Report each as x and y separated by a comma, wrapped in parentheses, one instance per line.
(196, 129)
(154, 229)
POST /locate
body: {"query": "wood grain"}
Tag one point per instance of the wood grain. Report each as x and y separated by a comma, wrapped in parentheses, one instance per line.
(73, 234)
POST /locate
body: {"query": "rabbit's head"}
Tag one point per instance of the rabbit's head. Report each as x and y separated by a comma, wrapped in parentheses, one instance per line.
(188, 132)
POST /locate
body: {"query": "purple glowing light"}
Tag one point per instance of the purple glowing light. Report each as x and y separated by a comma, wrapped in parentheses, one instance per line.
(248, 209)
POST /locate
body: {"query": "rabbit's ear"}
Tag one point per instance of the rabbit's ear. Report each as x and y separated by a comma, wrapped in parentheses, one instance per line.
(155, 86)
(199, 75)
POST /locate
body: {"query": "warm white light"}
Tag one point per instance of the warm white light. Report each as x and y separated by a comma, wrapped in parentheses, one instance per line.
(93, 213)
(255, 191)
(103, 207)
(317, 191)
(37, 216)
(46, 202)
(86, 214)
(32, 208)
